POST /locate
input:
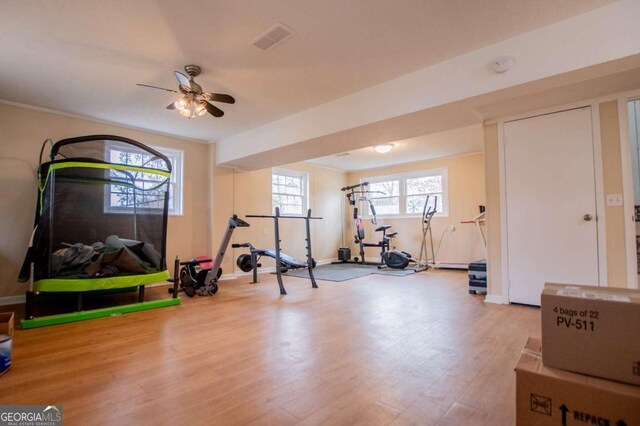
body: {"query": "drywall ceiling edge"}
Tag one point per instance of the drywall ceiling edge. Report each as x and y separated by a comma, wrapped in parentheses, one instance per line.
(595, 37)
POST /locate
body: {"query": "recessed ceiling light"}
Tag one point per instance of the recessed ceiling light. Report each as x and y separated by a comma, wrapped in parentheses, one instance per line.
(383, 149)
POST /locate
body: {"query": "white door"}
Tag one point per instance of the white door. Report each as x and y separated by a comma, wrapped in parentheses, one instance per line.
(551, 203)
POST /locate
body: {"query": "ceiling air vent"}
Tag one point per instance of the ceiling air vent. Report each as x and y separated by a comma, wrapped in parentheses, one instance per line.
(273, 36)
(344, 154)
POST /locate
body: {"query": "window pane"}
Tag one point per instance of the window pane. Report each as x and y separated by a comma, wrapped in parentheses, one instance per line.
(144, 196)
(289, 209)
(385, 189)
(386, 205)
(293, 186)
(288, 193)
(415, 203)
(424, 185)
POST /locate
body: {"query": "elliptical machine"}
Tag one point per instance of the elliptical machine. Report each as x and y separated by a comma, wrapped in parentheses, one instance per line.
(396, 259)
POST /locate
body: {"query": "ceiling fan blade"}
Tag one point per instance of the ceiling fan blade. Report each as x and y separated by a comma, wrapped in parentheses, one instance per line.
(172, 105)
(182, 79)
(213, 110)
(219, 97)
(156, 87)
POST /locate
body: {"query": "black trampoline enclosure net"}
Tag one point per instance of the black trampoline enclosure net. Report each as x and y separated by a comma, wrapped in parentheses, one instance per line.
(101, 211)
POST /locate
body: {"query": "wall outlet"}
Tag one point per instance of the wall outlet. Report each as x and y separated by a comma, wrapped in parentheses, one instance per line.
(452, 228)
(614, 200)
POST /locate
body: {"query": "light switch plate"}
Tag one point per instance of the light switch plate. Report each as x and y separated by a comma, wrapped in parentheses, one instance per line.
(614, 200)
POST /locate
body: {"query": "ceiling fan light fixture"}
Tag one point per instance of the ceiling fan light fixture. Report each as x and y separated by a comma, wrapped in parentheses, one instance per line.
(182, 104)
(193, 101)
(383, 149)
(201, 109)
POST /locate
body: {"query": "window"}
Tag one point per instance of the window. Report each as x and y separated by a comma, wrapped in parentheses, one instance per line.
(120, 198)
(406, 194)
(289, 192)
(385, 196)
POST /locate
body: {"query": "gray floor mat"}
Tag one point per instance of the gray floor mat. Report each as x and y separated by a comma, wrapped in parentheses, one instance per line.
(346, 271)
(394, 272)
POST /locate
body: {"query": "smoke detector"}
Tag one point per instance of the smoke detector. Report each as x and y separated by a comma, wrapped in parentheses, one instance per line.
(274, 36)
(502, 64)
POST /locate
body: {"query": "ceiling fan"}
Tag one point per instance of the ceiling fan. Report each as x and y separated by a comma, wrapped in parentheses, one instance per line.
(194, 102)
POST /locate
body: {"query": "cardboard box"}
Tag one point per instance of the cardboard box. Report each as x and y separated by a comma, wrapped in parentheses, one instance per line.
(592, 330)
(6, 329)
(547, 396)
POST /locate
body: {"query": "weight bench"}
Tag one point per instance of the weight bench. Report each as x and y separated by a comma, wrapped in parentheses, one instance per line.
(249, 262)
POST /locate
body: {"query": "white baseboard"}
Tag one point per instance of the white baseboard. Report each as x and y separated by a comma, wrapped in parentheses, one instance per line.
(493, 298)
(12, 300)
(451, 265)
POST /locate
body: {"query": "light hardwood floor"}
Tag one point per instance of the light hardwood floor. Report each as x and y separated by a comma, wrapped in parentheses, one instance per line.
(375, 350)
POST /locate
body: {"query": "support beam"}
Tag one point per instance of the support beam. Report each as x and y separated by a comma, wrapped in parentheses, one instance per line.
(397, 107)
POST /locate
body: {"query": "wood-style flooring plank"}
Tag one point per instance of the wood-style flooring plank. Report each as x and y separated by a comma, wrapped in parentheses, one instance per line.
(377, 350)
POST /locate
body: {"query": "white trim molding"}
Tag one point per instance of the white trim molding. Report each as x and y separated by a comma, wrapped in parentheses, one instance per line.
(494, 298)
(627, 187)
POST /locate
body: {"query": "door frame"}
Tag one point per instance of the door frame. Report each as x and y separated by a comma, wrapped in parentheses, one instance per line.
(599, 189)
(627, 187)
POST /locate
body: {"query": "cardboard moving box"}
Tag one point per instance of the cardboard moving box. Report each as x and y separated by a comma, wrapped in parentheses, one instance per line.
(547, 396)
(592, 330)
(6, 336)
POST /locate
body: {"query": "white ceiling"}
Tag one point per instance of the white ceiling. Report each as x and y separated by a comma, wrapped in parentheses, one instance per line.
(464, 140)
(559, 90)
(85, 56)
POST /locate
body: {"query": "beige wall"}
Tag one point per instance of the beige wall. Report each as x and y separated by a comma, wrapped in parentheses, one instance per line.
(22, 132)
(612, 180)
(492, 190)
(466, 193)
(252, 195)
(211, 195)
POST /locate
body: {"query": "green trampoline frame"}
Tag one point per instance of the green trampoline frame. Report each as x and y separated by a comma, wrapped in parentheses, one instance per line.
(81, 286)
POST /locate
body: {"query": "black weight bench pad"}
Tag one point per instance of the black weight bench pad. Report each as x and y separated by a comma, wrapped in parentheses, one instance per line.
(290, 262)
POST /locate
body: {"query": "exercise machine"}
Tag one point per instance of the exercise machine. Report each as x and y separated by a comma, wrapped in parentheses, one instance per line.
(356, 195)
(478, 269)
(200, 275)
(284, 262)
(397, 259)
(428, 212)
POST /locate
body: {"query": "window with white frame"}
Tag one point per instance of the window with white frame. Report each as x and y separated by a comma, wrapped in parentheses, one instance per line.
(406, 194)
(120, 198)
(289, 191)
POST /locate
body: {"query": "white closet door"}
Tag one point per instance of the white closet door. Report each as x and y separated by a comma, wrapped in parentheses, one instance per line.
(551, 203)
